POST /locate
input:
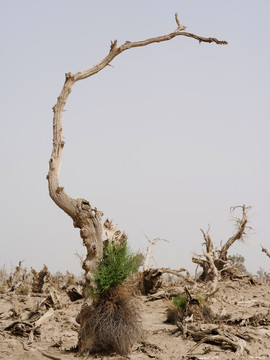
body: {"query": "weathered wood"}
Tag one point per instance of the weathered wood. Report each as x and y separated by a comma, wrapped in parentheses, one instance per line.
(146, 265)
(214, 262)
(178, 273)
(265, 251)
(38, 279)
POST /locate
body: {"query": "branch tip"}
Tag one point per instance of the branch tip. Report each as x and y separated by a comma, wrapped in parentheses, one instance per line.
(113, 45)
(179, 26)
(69, 75)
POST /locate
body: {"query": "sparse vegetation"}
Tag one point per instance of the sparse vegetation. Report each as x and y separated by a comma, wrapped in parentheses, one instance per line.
(113, 322)
(2, 288)
(180, 301)
(70, 281)
(176, 309)
(22, 291)
(200, 298)
(238, 261)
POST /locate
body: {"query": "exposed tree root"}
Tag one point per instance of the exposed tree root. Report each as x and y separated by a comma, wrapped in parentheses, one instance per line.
(238, 345)
(112, 324)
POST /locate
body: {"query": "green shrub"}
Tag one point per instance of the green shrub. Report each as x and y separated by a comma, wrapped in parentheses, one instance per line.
(200, 298)
(117, 264)
(70, 281)
(180, 301)
(22, 291)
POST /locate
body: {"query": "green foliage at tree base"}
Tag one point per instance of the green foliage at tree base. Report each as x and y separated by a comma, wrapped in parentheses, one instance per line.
(117, 264)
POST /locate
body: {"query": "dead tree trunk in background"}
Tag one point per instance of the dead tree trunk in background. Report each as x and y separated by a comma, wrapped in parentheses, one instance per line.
(86, 217)
(214, 262)
(146, 265)
(38, 279)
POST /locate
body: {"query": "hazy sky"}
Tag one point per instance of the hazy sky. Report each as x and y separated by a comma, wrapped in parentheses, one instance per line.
(164, 142)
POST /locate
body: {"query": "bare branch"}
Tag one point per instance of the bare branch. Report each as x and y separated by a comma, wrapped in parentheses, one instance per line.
(214, 272)
(241, 227)
(237, 344)
(148, 251)
(265, 251)
(177, 273)
(179, 27)
(208, 242)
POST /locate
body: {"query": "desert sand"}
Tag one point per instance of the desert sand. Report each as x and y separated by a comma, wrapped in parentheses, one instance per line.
(43, 325)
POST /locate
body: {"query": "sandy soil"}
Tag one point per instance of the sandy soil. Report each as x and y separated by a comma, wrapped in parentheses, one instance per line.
(243, 307)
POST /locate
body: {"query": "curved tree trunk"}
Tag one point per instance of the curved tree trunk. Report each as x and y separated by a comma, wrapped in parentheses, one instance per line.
(85, 217)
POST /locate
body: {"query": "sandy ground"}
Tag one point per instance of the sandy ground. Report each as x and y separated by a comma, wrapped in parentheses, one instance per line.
(243, 306)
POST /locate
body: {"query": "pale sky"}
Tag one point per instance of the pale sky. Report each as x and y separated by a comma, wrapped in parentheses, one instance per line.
(164, 142)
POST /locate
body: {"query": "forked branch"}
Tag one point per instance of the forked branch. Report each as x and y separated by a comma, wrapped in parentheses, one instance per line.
(241, 225)
(148, 251)
(214, 262)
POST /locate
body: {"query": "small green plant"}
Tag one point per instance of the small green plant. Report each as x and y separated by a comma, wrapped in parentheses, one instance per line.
(113, 322)
(176, 309)
(200, 298)
(117, 264)
(180, 301)
(3, 288)
(22, 291)
(70, 280)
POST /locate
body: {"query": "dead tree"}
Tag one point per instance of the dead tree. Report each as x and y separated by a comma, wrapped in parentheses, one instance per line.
(215, 262)
(146, 265)
(39, 278)
(85, 216)
(151, 278)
